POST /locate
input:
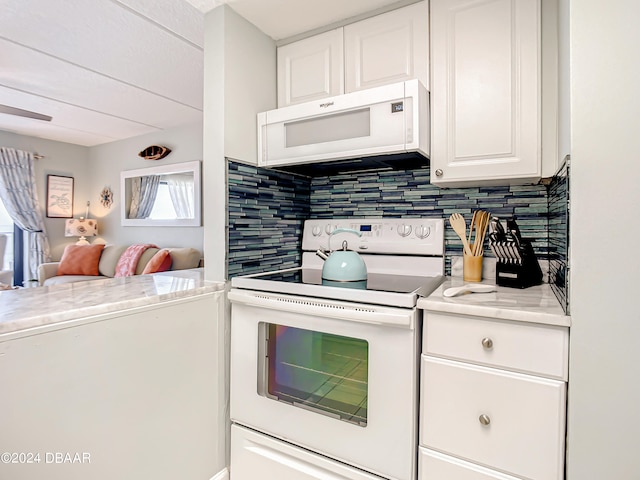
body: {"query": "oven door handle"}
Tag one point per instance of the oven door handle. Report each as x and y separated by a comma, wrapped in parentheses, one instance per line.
(377, 315)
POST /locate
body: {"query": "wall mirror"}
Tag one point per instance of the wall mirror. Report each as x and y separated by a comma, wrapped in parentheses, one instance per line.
(166, 195)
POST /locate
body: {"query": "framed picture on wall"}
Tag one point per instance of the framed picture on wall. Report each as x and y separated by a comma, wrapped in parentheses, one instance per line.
(59, 196)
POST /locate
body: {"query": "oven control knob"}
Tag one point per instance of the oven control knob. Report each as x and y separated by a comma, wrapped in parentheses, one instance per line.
(317, 231)
(404, 230)
(330, 228)
(423, 231)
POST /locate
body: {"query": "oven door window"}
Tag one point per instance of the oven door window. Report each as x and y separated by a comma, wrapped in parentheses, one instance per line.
(317, 371)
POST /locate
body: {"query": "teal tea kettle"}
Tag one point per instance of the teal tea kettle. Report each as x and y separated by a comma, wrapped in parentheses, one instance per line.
(343, 268)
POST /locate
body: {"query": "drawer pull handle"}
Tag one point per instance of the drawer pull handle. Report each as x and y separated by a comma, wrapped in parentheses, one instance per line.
(487, 343)
(484, 419)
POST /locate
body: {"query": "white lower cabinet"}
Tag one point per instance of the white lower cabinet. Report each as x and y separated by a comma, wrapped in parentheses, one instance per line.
(515, 346)
(507, 420)
(492, 404)
(257, 456)
(444, 467)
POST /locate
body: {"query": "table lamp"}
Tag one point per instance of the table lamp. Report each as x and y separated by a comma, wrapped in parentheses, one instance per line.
(81, 227)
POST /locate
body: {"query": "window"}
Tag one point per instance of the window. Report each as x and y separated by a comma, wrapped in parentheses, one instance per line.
(163, 206)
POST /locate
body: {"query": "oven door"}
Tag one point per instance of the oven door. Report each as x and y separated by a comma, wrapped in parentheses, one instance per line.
(334, 377)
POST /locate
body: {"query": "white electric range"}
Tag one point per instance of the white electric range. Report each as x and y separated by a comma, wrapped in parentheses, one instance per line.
(325, 378)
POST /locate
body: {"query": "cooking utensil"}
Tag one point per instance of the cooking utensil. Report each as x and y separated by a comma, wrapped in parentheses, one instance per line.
(473, 224)
(459, 226)
(498, 229)
(476, 224)
(469, 288)
(481, 229)
(512, 226)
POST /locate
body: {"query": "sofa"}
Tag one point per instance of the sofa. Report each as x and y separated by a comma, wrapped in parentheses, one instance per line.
(106, 261)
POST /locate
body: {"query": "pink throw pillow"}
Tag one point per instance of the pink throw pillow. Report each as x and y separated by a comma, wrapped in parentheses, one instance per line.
(80, 260)
(160, 262)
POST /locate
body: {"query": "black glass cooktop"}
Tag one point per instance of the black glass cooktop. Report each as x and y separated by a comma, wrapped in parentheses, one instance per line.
(384, 289)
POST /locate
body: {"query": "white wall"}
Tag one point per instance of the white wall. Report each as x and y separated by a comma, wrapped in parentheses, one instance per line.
(108, 160)
(604, 391)
(60, 159)
(240, 81)
(250, 85)
(214, 168)
(240, 74)
(93, 168)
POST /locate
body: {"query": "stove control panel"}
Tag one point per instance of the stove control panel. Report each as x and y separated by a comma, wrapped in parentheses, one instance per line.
(410, 236)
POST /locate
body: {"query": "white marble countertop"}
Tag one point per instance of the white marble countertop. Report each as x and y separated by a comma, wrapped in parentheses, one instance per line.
(536, 304)
(36, 307)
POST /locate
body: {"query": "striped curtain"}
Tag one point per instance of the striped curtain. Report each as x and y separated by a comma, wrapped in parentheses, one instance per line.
(143, 195)
(20, 198)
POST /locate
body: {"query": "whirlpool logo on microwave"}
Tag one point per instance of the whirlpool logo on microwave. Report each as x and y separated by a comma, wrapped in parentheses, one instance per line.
(326, 105)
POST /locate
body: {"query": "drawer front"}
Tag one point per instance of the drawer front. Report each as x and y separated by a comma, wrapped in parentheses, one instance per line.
(257, 456)
(436, 466)
(508, 421)
(522, 347)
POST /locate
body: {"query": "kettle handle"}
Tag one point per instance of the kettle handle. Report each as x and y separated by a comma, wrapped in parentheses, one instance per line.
(343, 230)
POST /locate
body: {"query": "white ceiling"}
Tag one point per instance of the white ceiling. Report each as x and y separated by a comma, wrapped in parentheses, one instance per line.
(112, 69)
(286, 18)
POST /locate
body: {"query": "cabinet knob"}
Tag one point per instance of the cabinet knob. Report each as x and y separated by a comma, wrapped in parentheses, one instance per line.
(484, 419)
(439, 172)
(487, 343)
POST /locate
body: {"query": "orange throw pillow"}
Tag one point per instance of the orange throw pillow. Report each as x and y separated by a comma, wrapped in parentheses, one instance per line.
(160, 262)
(80, 260)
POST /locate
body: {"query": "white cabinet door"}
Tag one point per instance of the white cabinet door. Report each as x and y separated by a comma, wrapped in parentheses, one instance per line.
(388, 48)
(485, 91)
(311, 68)
(510, 421)
(257, 456)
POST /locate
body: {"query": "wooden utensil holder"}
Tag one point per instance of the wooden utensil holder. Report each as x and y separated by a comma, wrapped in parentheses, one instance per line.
(472, 268)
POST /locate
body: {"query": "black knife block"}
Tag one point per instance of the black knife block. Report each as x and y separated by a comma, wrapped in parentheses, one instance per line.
(515, 272)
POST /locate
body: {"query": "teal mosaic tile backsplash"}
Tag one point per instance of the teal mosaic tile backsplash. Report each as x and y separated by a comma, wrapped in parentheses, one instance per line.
(280, 202)
(266, 211)
(408, 194)
(559, 201)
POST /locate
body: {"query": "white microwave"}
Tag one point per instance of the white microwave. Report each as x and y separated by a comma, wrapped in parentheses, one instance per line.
(384, 120)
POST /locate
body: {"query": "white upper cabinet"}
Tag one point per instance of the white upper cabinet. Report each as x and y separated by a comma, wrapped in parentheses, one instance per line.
(388, 48)
(564, 82)
(485, 92)
(384, 49)
(311, 68)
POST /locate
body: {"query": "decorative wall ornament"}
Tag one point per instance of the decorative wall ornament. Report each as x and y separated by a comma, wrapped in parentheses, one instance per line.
(154, 152)
(106, 197)
(59, 196)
